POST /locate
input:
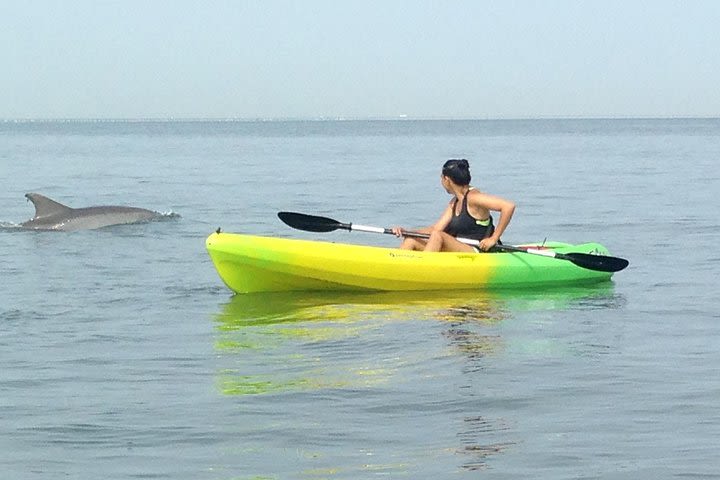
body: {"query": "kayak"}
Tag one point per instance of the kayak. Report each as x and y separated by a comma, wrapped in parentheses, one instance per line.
(249, 263)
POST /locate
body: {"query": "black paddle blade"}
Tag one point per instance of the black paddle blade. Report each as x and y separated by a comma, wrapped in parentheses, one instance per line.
(601, 263)
(311, 223)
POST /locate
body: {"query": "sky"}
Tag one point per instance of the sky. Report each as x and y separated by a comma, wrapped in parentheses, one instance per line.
(279, 59)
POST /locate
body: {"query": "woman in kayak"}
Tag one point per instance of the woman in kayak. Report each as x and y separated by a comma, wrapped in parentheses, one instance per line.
(466, 216)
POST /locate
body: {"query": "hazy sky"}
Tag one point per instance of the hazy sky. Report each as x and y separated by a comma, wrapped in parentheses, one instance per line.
(307, 58)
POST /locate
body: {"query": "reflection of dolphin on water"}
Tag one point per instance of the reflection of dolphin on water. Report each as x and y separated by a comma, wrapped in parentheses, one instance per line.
(51, 215)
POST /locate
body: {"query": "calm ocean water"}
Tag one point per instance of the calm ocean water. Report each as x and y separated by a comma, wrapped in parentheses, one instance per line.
(125, 357)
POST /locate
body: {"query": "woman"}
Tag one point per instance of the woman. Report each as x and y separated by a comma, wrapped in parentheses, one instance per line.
(466, 216)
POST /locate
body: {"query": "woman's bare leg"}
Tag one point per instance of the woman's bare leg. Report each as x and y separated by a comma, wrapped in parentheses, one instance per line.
(443, 242)
(410, 243)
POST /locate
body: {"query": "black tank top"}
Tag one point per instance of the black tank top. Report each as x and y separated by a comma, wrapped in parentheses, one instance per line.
(465, 225)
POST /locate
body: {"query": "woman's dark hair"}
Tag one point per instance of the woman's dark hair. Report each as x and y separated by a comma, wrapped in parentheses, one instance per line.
(458, 170)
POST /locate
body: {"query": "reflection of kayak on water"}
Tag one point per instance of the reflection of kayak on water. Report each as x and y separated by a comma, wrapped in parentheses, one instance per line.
(280, 307)
(273, 340)
(249, 263)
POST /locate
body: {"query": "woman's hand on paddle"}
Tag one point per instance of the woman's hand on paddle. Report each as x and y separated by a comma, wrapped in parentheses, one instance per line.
(487, 243)
(398, 231)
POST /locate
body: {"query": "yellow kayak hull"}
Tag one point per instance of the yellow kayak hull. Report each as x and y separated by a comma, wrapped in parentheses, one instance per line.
(248, 263)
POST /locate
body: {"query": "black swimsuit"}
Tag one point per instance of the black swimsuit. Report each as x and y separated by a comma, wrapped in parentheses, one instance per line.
(466, 226)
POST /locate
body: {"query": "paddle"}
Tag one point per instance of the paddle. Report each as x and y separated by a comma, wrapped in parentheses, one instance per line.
(601, 263)
(314, 223)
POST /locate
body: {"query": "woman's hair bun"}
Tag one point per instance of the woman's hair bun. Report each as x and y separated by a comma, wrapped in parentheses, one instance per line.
(458, 170)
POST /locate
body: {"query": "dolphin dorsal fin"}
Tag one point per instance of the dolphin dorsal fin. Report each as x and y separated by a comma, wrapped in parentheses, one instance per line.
(44, 207)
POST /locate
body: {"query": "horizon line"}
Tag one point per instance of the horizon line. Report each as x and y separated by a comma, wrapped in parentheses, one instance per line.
(189, 119)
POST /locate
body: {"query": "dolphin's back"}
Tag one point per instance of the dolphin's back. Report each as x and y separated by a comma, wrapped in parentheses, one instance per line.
(51, 215)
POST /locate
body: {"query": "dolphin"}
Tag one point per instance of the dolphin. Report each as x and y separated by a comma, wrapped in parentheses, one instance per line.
(51, 215)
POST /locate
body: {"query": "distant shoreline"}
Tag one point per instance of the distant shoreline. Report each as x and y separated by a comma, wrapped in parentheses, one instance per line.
(339, 119)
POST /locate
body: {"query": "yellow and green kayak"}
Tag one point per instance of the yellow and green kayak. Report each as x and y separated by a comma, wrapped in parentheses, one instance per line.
(248, 263)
